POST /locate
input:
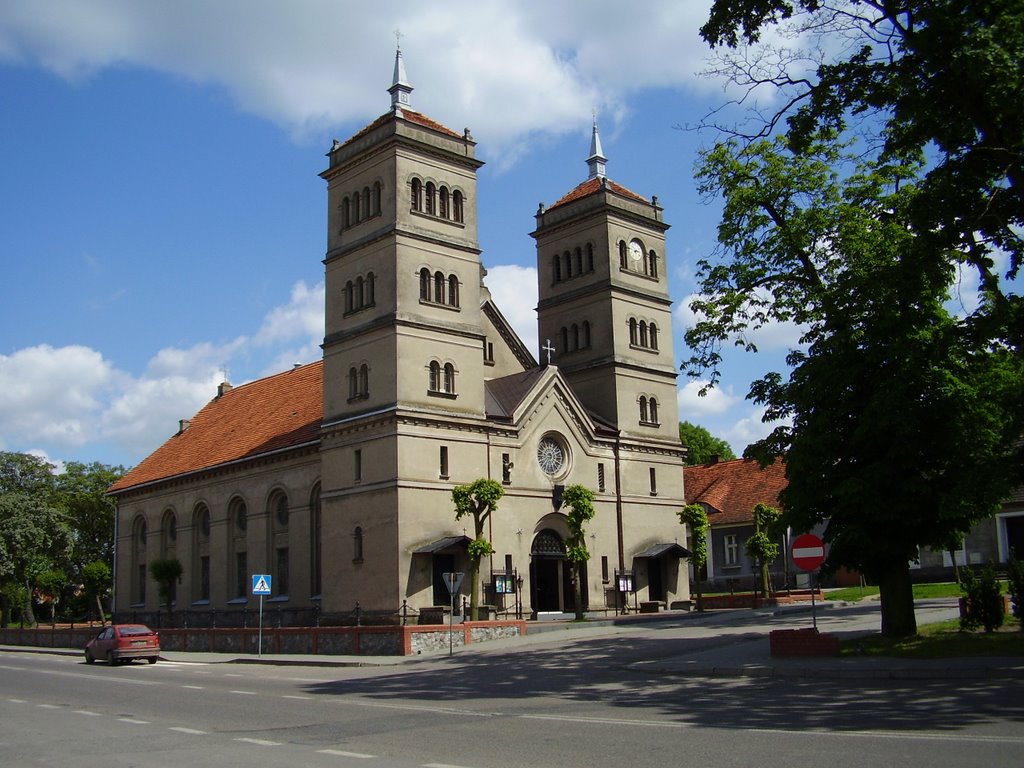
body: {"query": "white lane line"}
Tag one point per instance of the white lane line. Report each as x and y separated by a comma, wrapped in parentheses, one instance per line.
(133, 721)
(86, 712)
(341, 753)
(195, 687)
(244, 693)
(441, 765)
(17, 701)
(300, 698)
(191, 731)
(233, 674)
(260, 742)
(47, 706)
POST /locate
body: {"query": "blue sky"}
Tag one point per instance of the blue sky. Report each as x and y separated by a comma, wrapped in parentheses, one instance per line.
(162, 219)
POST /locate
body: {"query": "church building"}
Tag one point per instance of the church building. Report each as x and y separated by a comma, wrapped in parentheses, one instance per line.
(335, 478)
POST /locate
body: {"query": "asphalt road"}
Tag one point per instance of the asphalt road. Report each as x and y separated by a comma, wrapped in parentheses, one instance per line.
(561, 703)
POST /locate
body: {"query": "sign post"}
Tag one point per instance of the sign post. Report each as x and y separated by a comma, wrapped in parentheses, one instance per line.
(261, 586)
(453, 581)
(808, 555)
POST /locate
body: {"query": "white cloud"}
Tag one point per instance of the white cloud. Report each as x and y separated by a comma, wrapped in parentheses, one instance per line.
(749, 429)
(518, 68)
(773, 335)
(514, 290)
(301, 318)
(694, 407)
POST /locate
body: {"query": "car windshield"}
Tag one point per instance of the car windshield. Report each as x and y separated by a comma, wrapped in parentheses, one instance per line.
(140, 630)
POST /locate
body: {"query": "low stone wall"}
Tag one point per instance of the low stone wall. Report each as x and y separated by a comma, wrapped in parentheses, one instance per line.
(750, 600)
(340, 641)
(802, 642)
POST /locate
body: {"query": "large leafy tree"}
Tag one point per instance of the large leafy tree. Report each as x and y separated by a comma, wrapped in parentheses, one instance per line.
(696, 518)
(477, 500)
(897, 422)
(81, 491)
(701, 445)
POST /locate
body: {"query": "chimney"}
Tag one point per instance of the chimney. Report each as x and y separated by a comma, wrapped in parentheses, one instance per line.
(223, 388)
(183, 424)
(715, 458)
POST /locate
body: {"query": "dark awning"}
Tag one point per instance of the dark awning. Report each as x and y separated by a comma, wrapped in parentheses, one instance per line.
(661, 550)
(443, 545)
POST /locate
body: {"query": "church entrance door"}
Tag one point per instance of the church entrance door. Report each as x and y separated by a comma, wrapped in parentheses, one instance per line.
(550, 576)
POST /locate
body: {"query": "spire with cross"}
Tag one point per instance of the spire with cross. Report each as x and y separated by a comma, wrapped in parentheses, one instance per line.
(549, 349)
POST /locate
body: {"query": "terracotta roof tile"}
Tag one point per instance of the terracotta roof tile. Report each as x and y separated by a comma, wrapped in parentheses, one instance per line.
(590, 186)
(411, 116)
(733, 488)
(266, 415)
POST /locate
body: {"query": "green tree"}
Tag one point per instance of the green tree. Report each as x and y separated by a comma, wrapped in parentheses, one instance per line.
(763, 546)
(893, 417)
(580, 503)
(96, 581)
(983, 598)
(701, 446)
(50, 586)
(694, 516)
(478, 499)
(81, 491)
(165, 573)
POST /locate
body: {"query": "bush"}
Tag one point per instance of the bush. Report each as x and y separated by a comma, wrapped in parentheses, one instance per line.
(983, 599)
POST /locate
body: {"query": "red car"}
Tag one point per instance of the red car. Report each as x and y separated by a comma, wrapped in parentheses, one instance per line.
(120, 643)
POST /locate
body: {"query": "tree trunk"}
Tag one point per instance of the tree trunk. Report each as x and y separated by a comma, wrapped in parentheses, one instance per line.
(99, 606)
(474, 587)
(896, 593)
(700, 598)
(28, 615)
(577, 592)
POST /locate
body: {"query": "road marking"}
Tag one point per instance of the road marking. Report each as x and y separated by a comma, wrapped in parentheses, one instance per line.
(47, 706)
(17, 701)
(86, 712)
(300, 698)
(441, 765)
(133, 721)
(191, 731)
(419, 708)
(260, 742)
(195, 687)
(233, 674)
(244, 693)
(340, 753)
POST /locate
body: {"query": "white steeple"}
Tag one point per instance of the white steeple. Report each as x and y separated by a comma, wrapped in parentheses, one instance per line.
(596, 161)
(400, 88)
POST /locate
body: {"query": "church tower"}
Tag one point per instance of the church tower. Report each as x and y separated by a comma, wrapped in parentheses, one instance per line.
(603, 302)
(402, 266)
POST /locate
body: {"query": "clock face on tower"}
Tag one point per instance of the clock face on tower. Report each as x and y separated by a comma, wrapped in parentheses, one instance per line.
(636, 252)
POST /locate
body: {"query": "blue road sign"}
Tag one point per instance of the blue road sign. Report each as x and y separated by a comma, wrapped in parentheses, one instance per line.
(261, 583)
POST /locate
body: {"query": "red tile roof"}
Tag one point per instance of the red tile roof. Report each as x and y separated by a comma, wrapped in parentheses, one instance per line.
(411, 116)
(733, 488)
(280, 411)
(590, 186)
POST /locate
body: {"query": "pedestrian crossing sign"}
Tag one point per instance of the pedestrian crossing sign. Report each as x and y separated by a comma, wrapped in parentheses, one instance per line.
(261, 583)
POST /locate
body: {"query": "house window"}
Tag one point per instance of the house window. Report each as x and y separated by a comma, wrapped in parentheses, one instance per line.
(586, 334)
(353, 384)
(315, 542)
(600, 478)
(556, 268)
(357, 465)
(590, 257)
(416, 196)
(732, 549)
(357, 545)
(430, 200)
(449, 378)
(652, 264)
(424, 284)
(506, 468)
(346, 220)
(604, 568)
(241, 575)
(643, 410)
(439, 282)
(434, 385)
(281, 508)
(376, 199)
(457, 206)
(565, 339)
(579, 261)
(622, 254)
(567, 258)
(364, 380)
(281, 577)
(443, 462)
(443, 199)
(652, 407)
(633, 335)
(204, 577)
(654, 481)
(653, 331)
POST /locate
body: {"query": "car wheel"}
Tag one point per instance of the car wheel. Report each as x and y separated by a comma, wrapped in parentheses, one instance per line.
(88, 658)
(152, 659)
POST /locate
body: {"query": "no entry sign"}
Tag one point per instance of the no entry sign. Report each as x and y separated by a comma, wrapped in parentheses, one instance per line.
(808, 552)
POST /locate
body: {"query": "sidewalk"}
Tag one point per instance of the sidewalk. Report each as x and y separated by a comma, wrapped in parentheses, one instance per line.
(737, 646)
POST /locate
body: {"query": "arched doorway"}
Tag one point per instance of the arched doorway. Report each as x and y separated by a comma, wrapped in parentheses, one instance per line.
(550, 576)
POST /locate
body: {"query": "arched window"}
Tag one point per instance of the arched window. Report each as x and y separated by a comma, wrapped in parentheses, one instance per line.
(315, 556)
(429, 200)
(376, 198)
(590, 257)
(643, 410)
(653, 330)
(139, 575)
(200, 552)
(453, 290)
(357, 296)
(622, 254)
(356, 217)
(348, 297)
(443, 200)
(364, 380)
(279, 508)
(416, 196)
(449, 378)
(357, 544)
(652, 406)
(367, 203)
(567, 259)
(643, 334)
(435, 376)
(652, 264)
(632, 331)
(439, 282)
(556, 267)
(457, 206)
(168, 534)
(346, 213)
(353, 383)
(369, 298)
(586, 334)
(565, 339)
(579, 261)
(575, 336)
(424, 284)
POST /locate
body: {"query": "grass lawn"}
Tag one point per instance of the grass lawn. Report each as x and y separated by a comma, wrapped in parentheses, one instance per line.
(921, 591)
(942, 640)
